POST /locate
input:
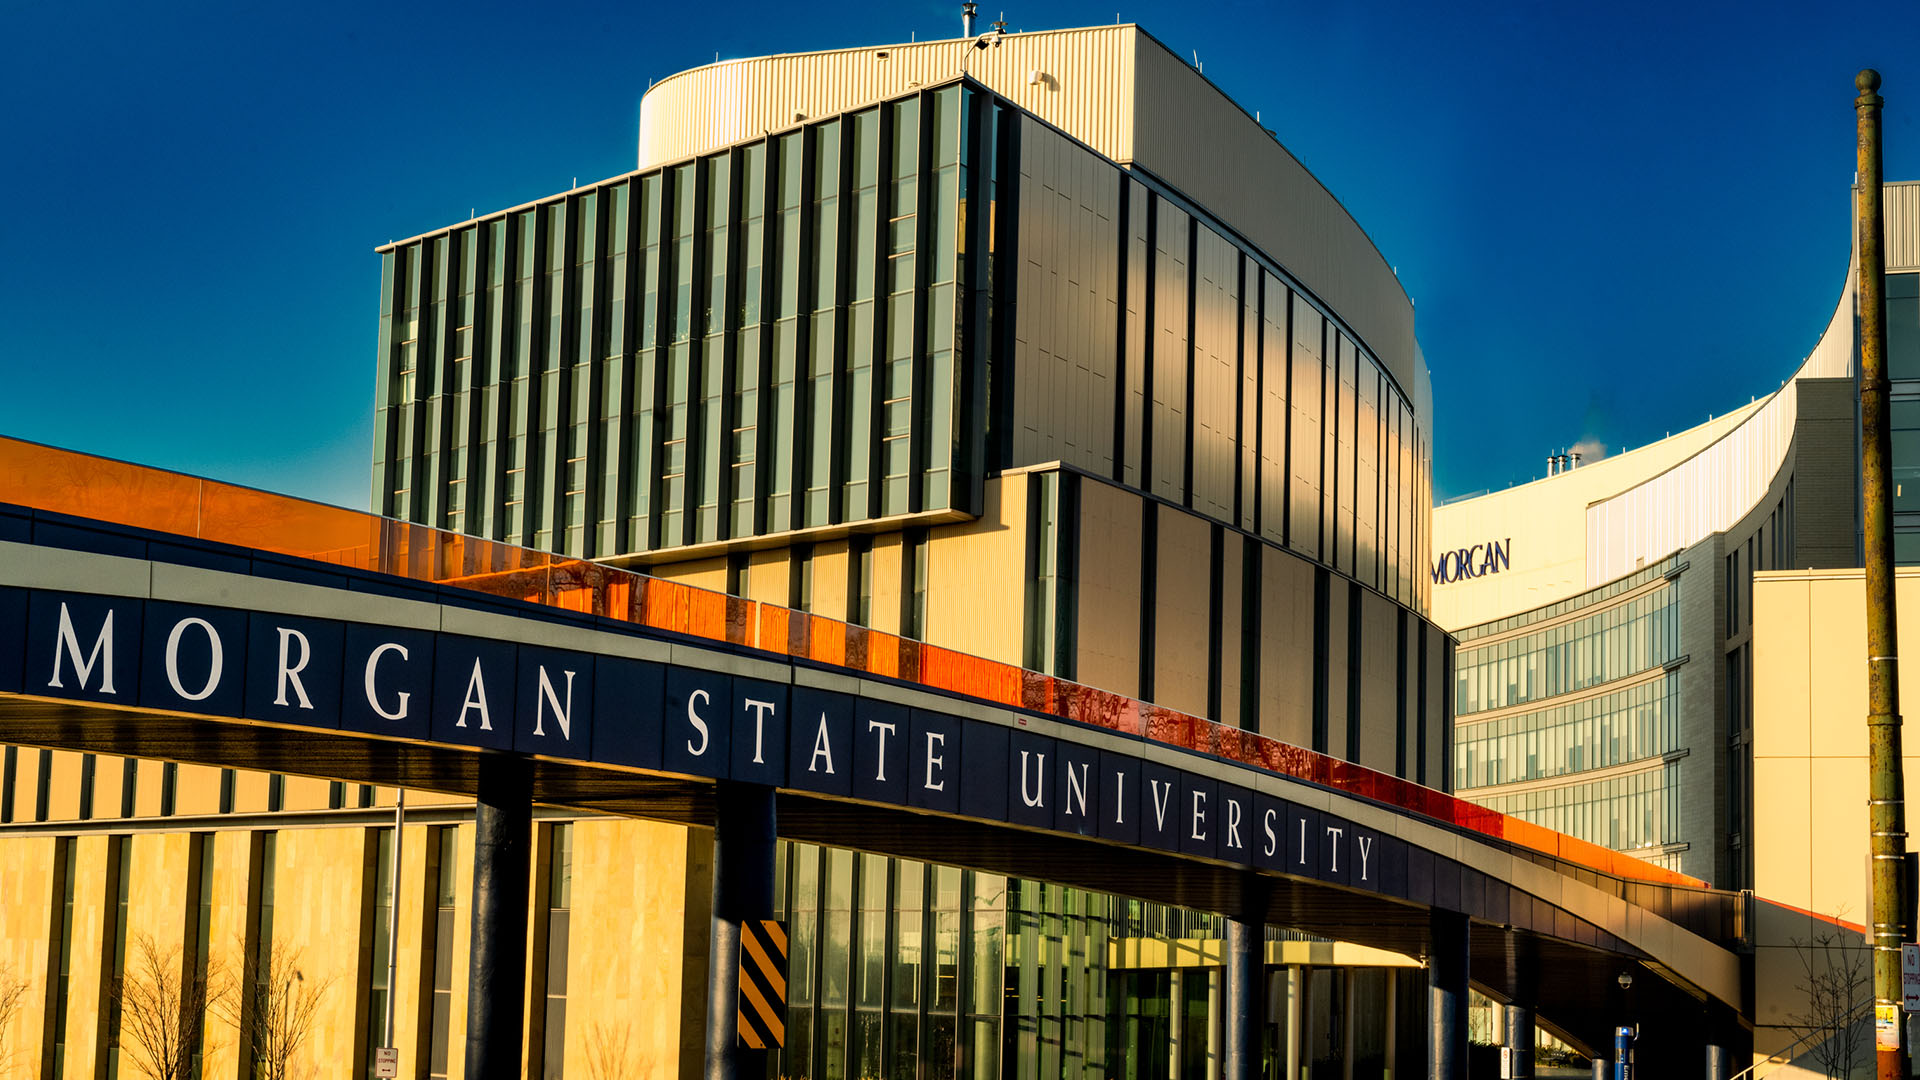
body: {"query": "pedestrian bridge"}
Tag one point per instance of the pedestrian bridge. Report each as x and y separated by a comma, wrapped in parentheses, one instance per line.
(154, 615)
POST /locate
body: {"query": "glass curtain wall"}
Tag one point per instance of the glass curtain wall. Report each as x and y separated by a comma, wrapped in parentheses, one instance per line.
(788, 324)
(904, 969)
(1565, 714)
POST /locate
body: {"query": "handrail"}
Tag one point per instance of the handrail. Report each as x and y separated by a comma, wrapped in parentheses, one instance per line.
(1831, 1030)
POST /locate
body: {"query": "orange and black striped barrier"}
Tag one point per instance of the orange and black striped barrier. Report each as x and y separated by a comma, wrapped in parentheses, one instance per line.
(763, 984)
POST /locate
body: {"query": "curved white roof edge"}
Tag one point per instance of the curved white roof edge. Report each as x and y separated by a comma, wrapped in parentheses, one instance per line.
(1579, 529)
(1117, 90)
(1713, 489)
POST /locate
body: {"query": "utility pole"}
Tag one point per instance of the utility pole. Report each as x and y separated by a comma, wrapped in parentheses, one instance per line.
(1886, 785)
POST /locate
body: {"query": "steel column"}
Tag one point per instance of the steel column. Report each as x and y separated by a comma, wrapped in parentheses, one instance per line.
(1447, 962)
(745, 829)
(1245, 981)
(1519, 1040)
(496, 986)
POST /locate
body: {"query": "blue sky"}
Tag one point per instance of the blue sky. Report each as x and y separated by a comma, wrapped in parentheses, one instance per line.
(1614, 219)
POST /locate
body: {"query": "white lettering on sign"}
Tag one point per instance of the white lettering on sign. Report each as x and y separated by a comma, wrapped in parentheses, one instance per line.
(760, 710)
(1077, 787)
(1160, 803)
(476, 699)
(290, 673)
(373, 699)
(822, 748)
(880, 759)
(699, 724)
(173, 659)
(934, 759)
(1039, 796)
(68, 644)
(562, 714)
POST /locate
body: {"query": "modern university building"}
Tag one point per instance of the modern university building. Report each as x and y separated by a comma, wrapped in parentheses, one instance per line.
(1659, 651)
(965, 501)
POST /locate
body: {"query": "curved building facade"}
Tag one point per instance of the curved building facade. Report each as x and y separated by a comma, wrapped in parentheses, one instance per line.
(1605, 669)
(1062, 361)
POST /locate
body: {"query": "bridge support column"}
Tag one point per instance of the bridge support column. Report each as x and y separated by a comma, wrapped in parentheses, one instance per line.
(1296, 1027)
(1723, 1041)
(1716, 1059)
(1176, 1020)
(744, 835)
(1245, 978)
(496, 987)
(1523, 991)
(1349, 1021)
(1520, 1036)
(1447, 963)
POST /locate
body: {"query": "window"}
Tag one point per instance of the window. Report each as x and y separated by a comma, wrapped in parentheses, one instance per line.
(379, 986)
(560, 902)
(826, 324)
(446, 870)
(860, 580)
(61, 960)
(119, 873)
(800, 577)
(199, 937)
(913, 591)
(1903, 326)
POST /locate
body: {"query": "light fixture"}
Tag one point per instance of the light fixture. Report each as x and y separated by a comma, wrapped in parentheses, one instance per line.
(1625, 981)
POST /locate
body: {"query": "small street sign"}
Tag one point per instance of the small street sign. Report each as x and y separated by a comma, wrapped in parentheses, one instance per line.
(386, 1062)
(1910, 977)
(1886, 1027)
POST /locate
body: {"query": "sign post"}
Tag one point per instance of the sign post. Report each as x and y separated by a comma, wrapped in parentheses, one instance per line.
(1623, 1053)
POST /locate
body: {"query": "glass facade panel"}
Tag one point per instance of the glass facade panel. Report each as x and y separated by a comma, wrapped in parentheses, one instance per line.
(1573, 689)
(1903, 326)
(1904, 417)
(1306, 446)
(1171, 285)
(1627, 725)
(1613, 643)
(1626, 813)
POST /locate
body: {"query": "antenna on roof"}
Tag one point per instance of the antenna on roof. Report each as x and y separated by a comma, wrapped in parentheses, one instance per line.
(1000, 25)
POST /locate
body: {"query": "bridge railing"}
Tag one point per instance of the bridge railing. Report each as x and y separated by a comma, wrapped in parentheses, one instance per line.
(85, 486)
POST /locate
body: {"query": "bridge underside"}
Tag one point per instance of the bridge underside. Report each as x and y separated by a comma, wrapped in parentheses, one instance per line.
(1577, 992)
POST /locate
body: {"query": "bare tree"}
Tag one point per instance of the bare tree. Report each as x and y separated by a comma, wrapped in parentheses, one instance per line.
(274, 1009)
(1833, 1025)
(607, 1057)
(12, 990)
(163, 1009)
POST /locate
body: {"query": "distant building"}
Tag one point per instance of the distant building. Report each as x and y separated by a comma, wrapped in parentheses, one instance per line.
(1605, 679)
